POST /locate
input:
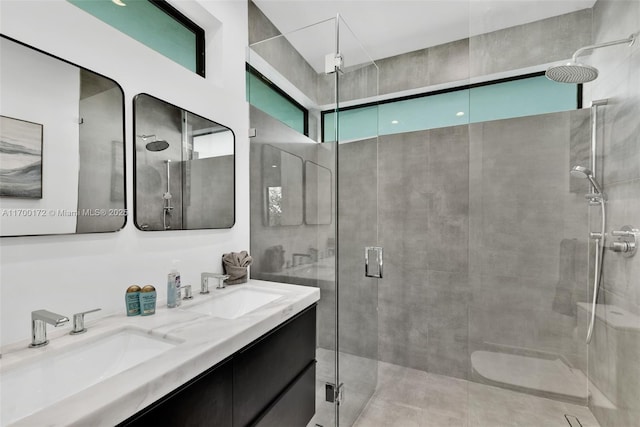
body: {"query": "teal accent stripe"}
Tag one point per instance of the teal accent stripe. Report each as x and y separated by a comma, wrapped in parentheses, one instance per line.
(516, 98)
(149, 25)
(262, 96)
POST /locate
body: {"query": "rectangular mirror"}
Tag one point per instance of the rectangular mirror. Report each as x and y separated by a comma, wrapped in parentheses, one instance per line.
(317, 187)
(61, 146)
(282, 187)
(184, 169)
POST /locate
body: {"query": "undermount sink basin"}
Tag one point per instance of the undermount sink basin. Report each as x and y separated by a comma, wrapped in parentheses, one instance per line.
(38, 383)
(235, 303)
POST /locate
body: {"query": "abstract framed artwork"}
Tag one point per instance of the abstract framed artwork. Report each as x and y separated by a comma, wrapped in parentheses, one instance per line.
(20, 158)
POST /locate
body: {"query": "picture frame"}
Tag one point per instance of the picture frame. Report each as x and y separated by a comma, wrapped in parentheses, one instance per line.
(21, 158)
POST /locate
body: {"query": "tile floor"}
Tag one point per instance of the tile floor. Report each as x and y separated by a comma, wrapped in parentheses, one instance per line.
(411, 398)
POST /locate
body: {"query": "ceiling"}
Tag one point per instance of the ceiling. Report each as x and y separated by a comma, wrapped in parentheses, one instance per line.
(392, 27)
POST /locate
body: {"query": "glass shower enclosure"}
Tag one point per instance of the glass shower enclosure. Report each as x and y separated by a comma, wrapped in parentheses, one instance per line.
(296, 196)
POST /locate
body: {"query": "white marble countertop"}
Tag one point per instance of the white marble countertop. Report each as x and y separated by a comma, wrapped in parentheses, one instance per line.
(203, 340)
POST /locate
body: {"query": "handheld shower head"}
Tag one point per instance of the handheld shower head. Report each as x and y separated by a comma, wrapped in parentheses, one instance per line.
(582, 172)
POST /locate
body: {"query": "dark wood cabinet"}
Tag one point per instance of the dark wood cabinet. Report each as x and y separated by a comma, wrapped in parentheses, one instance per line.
(264, 369)
(204, 401)
(296, 406)
(270, 382)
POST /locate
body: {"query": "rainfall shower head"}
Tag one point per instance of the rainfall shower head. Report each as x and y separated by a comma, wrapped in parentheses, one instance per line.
(575, 72)
(156, 144)
(582, 172)
(572, 72)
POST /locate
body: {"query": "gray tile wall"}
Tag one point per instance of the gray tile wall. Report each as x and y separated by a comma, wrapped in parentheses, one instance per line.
(423, 226)
(280, 54)
(485, 244)
(539, 42)
(611, 368)
(528, 236)
(526, 45)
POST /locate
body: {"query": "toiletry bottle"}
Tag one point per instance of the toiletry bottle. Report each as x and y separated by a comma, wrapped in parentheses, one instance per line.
(178, 288)
(172, 295)
(132, 300)
(148, 300)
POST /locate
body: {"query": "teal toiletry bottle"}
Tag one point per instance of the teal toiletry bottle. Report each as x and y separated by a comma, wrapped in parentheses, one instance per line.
(132, 300)
(148, 300)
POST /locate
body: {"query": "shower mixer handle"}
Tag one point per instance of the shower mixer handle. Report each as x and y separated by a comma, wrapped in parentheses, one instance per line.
(627, 242)
(624, 233)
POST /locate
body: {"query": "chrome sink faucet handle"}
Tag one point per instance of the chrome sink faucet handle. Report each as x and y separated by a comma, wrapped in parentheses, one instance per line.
(221, 278)
(78, 322)
(204, 281)
(186, 291)
(39, 320)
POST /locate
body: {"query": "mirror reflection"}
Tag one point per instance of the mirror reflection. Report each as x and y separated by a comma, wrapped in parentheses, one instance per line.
(184, 169)
(61, 146)
(282, 187)
(317, 194)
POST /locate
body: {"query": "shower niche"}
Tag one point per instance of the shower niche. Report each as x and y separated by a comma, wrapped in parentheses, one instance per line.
(184, 169)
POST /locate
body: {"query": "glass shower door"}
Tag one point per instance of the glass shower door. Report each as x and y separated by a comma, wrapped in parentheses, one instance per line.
(357, 228)
(314, 199)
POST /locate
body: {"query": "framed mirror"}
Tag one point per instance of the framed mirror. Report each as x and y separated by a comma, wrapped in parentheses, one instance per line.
(281, 187)
(317, 194)
(62, 146)
(184, 169)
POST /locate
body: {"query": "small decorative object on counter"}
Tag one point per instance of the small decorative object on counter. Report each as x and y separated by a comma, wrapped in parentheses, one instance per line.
(132, 300)
(235, 265)
(148, 300)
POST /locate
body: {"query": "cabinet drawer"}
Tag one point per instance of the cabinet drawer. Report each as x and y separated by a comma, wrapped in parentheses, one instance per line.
(263, 370)
(296, 406)
(204, 401)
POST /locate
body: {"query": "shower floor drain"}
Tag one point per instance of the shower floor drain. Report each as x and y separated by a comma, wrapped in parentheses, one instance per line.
(572, 420)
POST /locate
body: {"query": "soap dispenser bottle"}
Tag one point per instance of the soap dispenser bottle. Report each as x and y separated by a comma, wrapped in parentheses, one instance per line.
(173, 288)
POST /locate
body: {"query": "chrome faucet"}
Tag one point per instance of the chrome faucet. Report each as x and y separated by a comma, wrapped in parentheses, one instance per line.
(39, 320)
(204, 281)
(78, 322)
(300, 258)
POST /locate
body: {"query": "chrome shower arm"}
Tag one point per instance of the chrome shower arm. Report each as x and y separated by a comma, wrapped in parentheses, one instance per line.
(631, 39)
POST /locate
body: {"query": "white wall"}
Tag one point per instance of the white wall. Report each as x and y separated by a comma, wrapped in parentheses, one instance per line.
(68, 274)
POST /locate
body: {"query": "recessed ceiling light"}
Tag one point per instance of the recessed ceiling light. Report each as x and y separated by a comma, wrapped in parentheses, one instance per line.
(274, 166)
(394, 122)
(119, 2)
(460, 113)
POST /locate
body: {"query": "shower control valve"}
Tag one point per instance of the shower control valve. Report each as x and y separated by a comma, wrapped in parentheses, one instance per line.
(627, 242)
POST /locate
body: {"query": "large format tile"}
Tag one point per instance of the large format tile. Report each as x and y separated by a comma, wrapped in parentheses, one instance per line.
(539, 42)
(409, 397)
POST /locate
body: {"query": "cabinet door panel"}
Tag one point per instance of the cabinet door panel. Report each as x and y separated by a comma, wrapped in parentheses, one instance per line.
(204, 401)
(296, 406)
(262, 371)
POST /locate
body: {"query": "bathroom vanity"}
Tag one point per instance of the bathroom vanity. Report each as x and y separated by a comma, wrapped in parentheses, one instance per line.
(244, 355)
(270, 382)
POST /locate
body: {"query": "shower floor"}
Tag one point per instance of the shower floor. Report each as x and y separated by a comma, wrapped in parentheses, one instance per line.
(407, 397)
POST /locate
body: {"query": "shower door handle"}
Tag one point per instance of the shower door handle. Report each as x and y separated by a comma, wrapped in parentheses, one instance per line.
(373, 262)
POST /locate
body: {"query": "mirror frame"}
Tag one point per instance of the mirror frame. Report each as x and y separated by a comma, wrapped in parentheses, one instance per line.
(124, 144)
(135, 161)
(306, 193)
(264, 190)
